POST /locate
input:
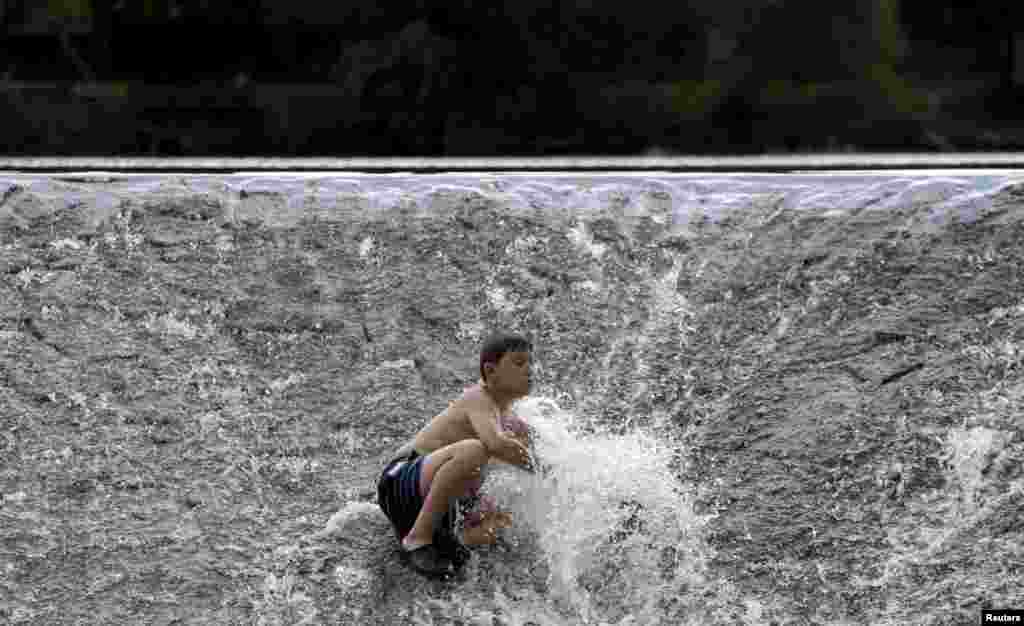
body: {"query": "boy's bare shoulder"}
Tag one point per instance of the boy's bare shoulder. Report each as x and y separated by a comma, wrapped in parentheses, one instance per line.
(453, 424)
(472, 400)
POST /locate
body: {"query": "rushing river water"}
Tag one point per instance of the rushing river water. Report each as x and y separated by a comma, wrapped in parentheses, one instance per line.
(607, 536)
(611, 534)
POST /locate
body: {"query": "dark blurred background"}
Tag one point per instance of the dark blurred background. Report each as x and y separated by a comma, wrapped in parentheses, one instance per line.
(532, 77)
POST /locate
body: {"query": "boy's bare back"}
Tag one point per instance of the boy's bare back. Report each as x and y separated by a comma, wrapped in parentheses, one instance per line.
(454, 424)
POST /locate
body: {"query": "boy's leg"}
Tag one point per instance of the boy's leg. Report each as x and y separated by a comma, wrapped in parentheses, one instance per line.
(447, 473)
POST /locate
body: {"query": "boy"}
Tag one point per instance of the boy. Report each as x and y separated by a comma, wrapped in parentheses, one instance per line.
(440, 467)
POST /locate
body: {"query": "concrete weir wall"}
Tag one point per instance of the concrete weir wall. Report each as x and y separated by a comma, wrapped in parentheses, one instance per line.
(836, 354)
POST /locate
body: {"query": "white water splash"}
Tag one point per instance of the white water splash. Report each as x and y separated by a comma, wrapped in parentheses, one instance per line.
(607, 535)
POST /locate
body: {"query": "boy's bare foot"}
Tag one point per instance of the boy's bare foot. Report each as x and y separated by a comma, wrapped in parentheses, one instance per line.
(410, 543)
(486, 534)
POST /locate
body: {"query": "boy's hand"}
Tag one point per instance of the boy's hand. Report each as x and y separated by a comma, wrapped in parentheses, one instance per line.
(523, 438)
(529, 461)
(523, 442)
(523, 452)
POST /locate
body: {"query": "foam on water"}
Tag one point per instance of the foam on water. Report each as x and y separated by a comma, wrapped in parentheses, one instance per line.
(659, 194)
(607, 535)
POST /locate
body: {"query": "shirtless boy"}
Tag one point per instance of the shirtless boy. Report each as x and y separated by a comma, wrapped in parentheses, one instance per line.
(440, 467)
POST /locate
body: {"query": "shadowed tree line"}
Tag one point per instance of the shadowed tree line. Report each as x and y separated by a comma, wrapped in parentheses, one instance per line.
(196, 77)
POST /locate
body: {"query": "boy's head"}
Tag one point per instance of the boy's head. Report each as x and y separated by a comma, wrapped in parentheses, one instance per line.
(505, 364)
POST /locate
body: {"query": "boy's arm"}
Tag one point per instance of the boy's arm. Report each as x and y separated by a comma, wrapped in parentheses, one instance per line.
(498, 445)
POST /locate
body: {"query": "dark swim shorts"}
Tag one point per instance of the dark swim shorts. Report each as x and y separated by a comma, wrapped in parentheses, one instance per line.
(398, 494)
(398, 491)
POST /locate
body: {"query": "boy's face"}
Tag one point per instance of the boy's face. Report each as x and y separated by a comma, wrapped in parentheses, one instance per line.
(512, 374)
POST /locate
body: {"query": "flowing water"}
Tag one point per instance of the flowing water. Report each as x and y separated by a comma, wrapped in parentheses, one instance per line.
(610, 532)
(610, 535)
(606, 535)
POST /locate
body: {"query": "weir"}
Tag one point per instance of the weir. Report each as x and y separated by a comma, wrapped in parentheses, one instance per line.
(764, 397)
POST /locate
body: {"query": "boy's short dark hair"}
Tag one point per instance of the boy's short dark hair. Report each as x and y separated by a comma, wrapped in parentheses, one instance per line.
(498, 344)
